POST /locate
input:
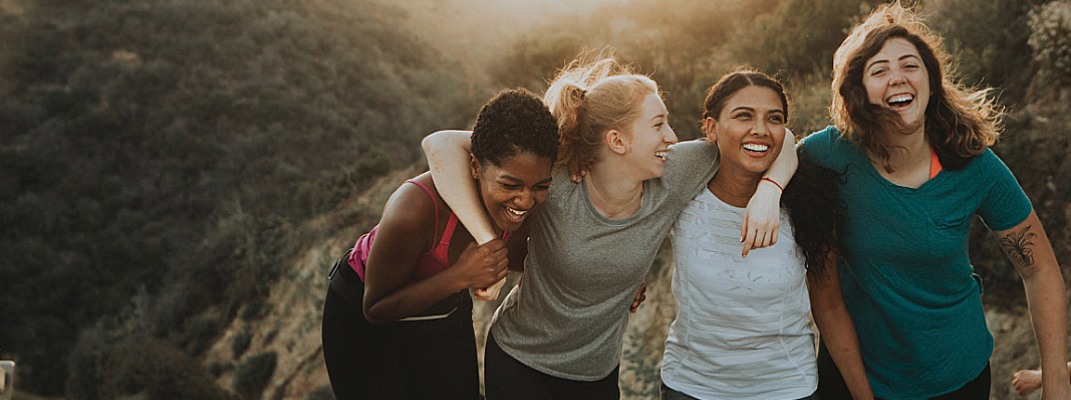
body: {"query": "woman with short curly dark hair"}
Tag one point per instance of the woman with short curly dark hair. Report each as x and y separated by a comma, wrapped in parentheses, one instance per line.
(397, 320)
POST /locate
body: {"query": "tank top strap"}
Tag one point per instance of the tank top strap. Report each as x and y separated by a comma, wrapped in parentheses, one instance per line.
(935, 164)
(442, 250)
(434, 202)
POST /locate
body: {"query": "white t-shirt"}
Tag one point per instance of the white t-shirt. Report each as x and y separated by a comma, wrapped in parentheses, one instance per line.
(742, 329)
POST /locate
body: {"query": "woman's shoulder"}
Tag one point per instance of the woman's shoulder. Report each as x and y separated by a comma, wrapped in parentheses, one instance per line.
(827, 147)
(824, 138)
(986, 164)
(415, 204)
(692, 151)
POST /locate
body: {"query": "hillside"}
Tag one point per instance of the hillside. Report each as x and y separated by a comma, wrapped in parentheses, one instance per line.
(157, 158)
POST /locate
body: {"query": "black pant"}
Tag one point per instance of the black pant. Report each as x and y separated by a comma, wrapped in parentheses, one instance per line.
(403, 360)
(831, 384)
(509, 379)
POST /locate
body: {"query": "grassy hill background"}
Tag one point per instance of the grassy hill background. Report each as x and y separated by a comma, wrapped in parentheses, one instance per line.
(177, 175)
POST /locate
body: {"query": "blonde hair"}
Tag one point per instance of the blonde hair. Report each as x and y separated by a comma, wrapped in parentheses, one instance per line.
(960, 122)
(590, 98)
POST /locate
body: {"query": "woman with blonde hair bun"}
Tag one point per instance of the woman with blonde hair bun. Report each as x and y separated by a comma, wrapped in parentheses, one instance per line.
(558, 334)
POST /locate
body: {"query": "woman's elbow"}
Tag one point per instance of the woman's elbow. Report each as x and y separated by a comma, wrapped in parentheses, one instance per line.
(375, 317)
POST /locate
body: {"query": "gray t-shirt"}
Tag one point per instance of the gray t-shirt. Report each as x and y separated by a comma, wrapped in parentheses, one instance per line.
(568, 315)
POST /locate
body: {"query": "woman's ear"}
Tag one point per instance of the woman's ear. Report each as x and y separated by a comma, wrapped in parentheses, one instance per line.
(474, 165)
(709, 126)
(616, 140)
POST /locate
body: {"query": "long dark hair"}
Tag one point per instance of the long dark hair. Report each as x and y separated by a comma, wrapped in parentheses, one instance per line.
(817, 212)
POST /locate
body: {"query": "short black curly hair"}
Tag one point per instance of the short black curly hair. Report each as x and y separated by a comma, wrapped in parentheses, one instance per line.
(515, 120)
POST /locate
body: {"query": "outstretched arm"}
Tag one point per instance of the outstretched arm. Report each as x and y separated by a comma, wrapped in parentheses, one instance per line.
(762, 218)
(837, 330)
(1029, 249)
(448, 160)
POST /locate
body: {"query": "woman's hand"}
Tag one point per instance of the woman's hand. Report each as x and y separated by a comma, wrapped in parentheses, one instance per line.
(489, 293)
(481, 266)
(762, 218)
(641, 295)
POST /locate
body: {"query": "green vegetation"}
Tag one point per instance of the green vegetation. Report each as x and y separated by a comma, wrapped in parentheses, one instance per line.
(253, 375)
(170, 146)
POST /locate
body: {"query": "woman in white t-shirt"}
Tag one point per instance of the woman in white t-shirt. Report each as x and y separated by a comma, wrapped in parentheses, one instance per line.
(742, 329)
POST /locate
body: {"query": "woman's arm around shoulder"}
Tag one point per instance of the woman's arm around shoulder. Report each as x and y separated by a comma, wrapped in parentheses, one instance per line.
(448, 159)
(762, 218)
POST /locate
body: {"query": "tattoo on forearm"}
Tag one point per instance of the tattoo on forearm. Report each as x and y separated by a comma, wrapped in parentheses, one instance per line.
(1019, 248)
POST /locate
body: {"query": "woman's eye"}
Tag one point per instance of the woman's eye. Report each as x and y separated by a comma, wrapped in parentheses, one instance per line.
(777, 119)
(743, 116)
(877, 72)
(511, 186)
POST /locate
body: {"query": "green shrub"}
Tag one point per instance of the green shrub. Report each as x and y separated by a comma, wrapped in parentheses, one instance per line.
(1050, 37)
(253, 375)
(241, 343)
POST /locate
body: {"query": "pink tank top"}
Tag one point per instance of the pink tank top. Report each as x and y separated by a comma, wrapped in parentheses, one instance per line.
(430, 263)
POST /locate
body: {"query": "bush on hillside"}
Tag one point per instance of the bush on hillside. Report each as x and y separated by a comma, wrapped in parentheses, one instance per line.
(1050, 37)
(253, 375)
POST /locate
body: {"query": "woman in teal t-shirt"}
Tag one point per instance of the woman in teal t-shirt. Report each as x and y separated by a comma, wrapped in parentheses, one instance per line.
(914, 147)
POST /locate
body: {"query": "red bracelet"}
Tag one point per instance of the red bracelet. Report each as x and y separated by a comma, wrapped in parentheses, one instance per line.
(774, 182)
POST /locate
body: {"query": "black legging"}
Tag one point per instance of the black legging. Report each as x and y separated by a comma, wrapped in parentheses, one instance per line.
(831, 384)
(509, 379)
(402, 360)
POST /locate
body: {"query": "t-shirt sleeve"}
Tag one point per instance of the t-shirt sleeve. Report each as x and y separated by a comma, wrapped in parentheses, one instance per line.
(1005, 204)
(689, 166)
(819, 148)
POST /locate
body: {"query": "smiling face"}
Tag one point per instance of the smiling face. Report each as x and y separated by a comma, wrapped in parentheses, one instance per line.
(749, 131)
(510, 191)
(649, 137)
(896, 78)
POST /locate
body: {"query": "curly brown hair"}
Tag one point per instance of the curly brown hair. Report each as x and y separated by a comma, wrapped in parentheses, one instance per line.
(960, 122)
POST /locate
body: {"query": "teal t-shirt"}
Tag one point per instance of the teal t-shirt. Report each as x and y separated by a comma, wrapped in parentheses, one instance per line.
(905, 272)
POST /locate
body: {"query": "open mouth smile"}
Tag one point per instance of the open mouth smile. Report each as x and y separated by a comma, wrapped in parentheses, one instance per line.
(757, 148)
(900, 101)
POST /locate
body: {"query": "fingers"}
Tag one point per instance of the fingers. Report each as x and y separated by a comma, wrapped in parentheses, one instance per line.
(743, 228)
(749, 242)
(641, 295)
(490, 293)
(578, 176)
(483, 265)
